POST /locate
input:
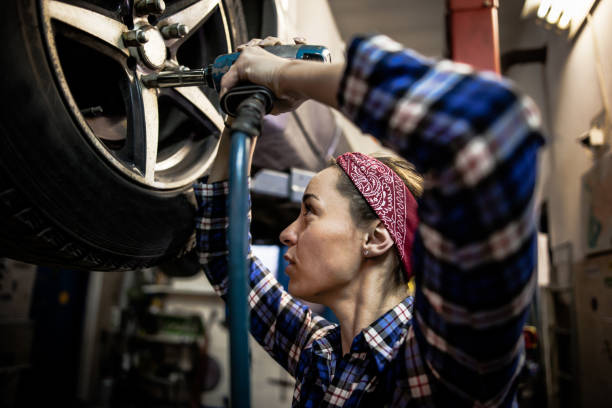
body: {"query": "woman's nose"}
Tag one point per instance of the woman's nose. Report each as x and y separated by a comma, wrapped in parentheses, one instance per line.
(288, 235)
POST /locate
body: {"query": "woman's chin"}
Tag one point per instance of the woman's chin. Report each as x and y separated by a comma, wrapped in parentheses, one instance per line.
(297, 291)
(293, 289)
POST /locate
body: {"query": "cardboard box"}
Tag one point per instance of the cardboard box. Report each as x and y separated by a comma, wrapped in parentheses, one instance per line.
(594, 315)
(597, 207)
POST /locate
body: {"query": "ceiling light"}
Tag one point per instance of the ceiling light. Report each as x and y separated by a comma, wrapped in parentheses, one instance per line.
(566, 15)
(554, 13)
(543, 9)
(564, 21)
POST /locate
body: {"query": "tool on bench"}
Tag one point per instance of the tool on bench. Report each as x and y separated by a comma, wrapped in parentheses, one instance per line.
(248, 103)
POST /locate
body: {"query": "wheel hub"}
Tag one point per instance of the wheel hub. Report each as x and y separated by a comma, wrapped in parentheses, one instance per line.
(153, 52)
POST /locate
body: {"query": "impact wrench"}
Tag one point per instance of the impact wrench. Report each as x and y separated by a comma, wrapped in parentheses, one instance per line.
(248, 103)
(210, 76)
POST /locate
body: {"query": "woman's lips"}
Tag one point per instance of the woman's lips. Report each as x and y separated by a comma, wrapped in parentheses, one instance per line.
(290, 263)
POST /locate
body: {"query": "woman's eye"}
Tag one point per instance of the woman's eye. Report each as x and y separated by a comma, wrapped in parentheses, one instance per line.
(307, 210)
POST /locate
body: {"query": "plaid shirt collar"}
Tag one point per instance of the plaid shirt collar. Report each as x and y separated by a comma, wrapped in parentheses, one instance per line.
(388, 332)
(380, 340)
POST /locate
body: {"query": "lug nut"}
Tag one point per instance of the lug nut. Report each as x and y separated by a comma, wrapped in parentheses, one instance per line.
(176, 30)
(134, 38)
(144, 7)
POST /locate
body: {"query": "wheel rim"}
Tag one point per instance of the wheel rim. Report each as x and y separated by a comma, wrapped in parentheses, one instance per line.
(163, 139)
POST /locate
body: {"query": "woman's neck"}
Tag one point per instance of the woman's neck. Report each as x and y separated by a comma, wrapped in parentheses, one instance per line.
(363, 302)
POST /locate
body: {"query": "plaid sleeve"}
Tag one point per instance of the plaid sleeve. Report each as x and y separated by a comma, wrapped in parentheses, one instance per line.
(281, 324)
(475, 139)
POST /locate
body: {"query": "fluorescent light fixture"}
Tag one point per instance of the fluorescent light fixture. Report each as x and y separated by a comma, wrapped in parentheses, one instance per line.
(543, 9)
(564, 14)
(564, 21)
(554, 13)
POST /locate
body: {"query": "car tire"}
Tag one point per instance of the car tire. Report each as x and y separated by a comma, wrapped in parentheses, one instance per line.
(62, 202)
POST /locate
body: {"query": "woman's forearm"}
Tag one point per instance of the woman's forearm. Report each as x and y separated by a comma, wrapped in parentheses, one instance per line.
(219, 170)
(311, 80)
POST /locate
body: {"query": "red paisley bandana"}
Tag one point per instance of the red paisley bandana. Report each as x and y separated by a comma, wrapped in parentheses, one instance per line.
(388, 196)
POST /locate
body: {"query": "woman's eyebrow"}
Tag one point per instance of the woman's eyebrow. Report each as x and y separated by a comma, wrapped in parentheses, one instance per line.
(309, 195)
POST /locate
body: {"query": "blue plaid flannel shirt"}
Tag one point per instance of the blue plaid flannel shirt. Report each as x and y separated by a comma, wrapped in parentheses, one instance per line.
(475, 139)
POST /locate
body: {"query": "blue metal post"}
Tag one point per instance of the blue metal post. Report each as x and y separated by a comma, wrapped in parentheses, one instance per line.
(238, 310)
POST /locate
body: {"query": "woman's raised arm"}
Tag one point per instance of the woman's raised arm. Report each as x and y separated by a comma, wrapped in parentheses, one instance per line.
(281, 324)
(475, 139)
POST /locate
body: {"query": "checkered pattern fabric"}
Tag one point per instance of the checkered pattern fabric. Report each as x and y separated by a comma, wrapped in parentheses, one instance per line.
(459, 341)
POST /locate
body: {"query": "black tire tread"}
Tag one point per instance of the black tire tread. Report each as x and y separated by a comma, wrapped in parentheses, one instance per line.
(24, 219)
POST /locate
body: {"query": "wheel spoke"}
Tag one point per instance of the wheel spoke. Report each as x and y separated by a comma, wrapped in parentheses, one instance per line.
(144, 133)
(192, 16)
(151, 115)
(88, 21)
(202, 104)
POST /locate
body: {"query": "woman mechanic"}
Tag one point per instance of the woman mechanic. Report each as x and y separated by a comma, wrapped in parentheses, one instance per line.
(470, 244)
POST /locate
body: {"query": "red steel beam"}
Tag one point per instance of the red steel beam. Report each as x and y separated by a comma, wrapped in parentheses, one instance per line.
(474, 33)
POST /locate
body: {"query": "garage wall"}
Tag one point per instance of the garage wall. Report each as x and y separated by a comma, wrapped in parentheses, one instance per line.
(567, 91)
(575, 99)
(416, 24)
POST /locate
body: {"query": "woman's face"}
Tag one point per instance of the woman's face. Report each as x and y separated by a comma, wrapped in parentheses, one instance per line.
(325, 245)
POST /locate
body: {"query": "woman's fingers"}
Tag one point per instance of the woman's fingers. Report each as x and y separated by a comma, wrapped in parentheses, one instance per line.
(229, 80)
(269, 41)
(259, 42)
(248, 67)
(251, 43)
(260, 67)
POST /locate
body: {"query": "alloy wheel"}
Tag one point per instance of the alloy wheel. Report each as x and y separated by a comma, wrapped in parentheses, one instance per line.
(100, 50)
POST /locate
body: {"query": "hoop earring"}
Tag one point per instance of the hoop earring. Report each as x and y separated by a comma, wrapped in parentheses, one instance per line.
(365, 252)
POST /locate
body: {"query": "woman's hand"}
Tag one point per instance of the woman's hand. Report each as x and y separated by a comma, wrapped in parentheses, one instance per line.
(263, 68)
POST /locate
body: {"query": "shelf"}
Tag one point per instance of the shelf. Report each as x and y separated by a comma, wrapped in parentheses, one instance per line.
(169, 290)
(553, 288)
(565, 376)
(14, 369)
(559, 329)
(166, 338)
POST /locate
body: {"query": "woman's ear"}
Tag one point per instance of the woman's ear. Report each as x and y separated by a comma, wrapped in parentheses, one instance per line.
(378, 241)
